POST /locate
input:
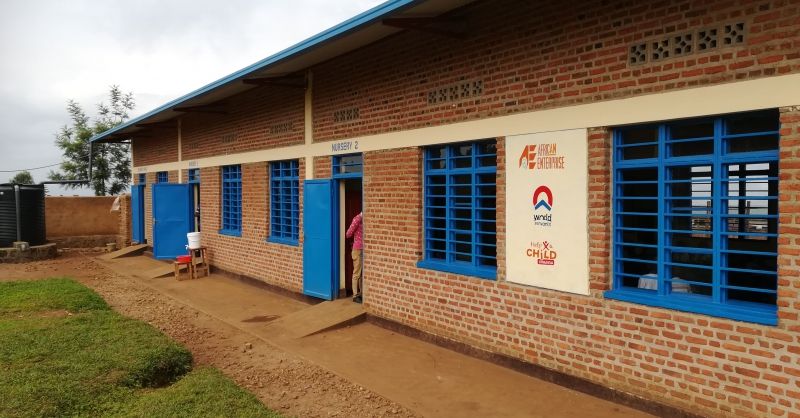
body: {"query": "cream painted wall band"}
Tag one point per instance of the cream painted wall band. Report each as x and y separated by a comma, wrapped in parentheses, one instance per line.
(740, 96)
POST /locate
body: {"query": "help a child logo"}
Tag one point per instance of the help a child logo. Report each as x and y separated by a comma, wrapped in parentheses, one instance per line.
(542, 206)
(543, 252)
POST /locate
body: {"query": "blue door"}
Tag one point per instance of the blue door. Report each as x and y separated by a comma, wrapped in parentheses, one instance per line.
(137, 213)
(319, 251)
(173, 218)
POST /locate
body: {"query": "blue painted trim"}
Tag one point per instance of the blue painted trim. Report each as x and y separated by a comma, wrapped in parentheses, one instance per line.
(348, 176)
(193, 175)
(372, 15)
(162, 177)
(231, 198)
(490, 274)
(336, 166)
(230, 232)
(667, 205)
(284, 192)
(284, 241)
(764, 314)
(453, 218)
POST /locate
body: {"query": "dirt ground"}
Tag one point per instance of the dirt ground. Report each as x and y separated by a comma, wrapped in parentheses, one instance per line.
(282, 381)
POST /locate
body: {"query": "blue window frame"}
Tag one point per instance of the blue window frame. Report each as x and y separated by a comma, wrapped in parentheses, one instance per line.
(284, 202)
(162, 177)
(696, 215)
(193, 175)
(348, 166)
(460, 208)
(142, 178)
(231, 200)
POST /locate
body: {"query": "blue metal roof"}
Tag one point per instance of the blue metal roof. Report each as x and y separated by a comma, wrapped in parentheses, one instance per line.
(367, 17)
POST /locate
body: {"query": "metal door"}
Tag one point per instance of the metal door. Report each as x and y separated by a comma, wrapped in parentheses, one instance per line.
(172, 219)
(319, 251)
(137, 213)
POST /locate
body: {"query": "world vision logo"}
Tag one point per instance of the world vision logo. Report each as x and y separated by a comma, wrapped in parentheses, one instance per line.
(542, 201)
(541, 156)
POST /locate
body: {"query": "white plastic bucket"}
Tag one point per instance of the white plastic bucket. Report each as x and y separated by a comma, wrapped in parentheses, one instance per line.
(194, 240)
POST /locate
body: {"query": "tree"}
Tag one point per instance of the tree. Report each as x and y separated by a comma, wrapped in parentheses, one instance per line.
(111, 163)
(23, 177)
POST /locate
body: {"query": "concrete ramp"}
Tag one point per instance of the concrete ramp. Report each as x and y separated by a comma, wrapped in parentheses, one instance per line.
(125, 252)
(318, 318)
(163, 270)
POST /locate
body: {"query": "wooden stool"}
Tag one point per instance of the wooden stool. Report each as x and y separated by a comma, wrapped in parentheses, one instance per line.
(178, 264)
(199, 262)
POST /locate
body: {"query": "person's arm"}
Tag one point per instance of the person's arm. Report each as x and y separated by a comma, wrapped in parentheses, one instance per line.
(353, 226)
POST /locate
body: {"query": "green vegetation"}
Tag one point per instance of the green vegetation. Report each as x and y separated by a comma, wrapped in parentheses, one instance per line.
(64, 352)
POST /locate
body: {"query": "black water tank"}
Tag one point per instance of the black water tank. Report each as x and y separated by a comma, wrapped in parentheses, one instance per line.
(32, 221)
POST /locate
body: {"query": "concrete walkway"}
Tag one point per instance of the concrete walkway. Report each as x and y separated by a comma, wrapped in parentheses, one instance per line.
(428, 379)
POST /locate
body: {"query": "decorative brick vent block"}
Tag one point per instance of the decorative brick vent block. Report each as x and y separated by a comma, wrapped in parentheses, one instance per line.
(734, 34)
(346, 115)
(707, 39)
(684, 44)
(228, 138)
(281, 128)
(455, 92)
(638, 54)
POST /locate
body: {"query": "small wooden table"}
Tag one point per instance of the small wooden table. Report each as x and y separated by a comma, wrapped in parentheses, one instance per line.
(199, 262)
(178, 264)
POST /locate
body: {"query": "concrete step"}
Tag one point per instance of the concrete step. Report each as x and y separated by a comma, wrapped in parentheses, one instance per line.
(318, 318)
(125, 252)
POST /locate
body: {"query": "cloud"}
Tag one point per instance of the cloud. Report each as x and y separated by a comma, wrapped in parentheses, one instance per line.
(57, 50)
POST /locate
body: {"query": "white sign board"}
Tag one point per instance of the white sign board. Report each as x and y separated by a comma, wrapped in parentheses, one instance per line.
(547, 199)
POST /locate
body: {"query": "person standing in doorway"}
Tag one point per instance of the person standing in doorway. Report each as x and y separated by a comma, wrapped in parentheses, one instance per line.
(355, 231)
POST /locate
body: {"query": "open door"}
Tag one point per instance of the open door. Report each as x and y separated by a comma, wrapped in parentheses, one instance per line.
(319, 251)
(137, 213)
(173, 218)
(351, 202)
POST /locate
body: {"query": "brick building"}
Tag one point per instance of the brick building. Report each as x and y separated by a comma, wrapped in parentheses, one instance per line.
(607, 190)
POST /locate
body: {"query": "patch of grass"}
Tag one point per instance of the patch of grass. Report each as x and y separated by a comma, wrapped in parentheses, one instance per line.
(205, 391)
(95, 362)
(50, 294)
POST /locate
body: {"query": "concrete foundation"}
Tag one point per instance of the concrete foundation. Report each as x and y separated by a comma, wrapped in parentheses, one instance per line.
(36, 252)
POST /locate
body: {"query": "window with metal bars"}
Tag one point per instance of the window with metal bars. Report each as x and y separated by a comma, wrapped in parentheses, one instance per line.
(142, 178)
(460, 208)
(284, 202)
(696, 215)
(231, 200)
(162, 177)
(193, 175)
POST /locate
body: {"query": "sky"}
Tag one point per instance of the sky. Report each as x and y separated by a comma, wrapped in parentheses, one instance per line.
(52, 51)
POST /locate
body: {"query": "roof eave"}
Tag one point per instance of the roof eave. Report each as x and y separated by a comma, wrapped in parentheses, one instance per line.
(365, 18)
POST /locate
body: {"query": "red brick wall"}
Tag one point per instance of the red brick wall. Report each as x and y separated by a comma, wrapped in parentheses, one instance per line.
(322, 167)
(258, 119)
(148, 207)
(789, 228)
(250, 254)
(536, 54)
(707, 365)
(160, 146)
(124, 237)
